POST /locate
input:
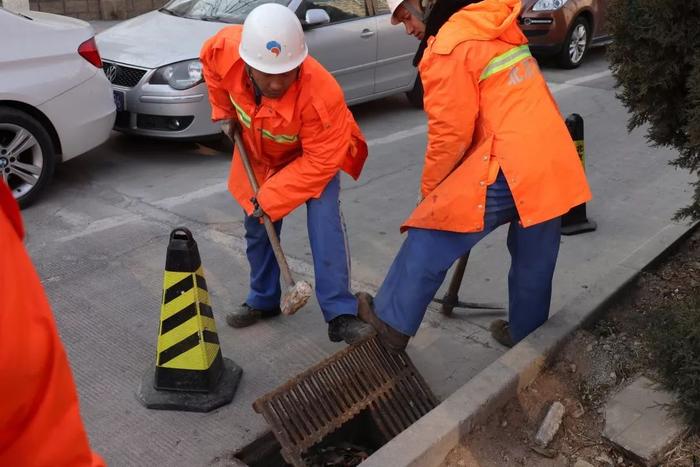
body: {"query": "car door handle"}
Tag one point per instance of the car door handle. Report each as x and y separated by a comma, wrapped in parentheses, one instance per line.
(366, 33)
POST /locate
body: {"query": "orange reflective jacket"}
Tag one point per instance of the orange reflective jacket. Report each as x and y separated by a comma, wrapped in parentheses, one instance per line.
(39, 418)
(488, 106)
(296, 143)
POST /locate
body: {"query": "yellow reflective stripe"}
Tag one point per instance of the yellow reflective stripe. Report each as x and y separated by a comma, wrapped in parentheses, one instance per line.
(283, 139)
(242, 116)
(246, 120)
(505, 61)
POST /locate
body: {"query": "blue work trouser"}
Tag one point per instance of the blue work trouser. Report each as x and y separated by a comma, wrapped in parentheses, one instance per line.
(329, 249)
(426, 255)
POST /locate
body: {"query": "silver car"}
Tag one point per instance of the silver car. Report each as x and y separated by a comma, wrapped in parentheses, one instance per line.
(152, 62)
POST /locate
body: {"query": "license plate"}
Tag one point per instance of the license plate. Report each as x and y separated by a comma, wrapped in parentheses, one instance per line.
(119, 100)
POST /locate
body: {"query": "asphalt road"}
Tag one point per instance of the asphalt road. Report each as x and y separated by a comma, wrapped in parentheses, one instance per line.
(98, 238)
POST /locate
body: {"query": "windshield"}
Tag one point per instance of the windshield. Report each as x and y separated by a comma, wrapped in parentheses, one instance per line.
(228, 11)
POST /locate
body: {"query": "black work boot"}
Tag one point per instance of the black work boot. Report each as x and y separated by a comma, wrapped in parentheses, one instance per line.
(348, 328)
(500, 330)
(388, 336)
(245, 315)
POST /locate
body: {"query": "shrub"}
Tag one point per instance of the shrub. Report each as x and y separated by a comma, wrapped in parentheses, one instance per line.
(655, 58)
(675, 341)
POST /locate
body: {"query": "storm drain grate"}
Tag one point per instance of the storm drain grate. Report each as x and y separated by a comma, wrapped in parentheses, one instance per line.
(323, 398)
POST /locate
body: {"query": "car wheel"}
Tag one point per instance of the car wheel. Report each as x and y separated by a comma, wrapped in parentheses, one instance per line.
(415, 95)
(576, 44)
(27, 156)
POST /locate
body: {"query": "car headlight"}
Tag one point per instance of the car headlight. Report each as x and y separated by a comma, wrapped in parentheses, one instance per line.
(548, 5)
(181, 75)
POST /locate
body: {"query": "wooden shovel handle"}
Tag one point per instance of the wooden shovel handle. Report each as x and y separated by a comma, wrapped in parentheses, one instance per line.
(269, 227)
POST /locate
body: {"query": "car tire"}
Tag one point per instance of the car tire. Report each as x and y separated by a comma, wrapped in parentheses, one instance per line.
(576, 44)
(27, 155)
(415, 95)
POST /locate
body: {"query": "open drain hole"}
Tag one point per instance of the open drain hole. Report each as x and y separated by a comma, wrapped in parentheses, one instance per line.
(348, 446)
(346, 406)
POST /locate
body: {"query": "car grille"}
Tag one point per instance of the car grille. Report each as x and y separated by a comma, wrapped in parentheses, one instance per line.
(163, 123)
(535, 32)
(122, 75)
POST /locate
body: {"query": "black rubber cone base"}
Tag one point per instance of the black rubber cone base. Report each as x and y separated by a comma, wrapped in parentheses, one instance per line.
(573, 229)
(191, 401)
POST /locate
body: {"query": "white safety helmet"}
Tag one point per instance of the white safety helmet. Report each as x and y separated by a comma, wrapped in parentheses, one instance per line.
(273, 40)
(394, 4)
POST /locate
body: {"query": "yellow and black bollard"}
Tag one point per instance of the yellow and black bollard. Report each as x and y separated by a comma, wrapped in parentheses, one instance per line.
(576, 221)
(190, 373)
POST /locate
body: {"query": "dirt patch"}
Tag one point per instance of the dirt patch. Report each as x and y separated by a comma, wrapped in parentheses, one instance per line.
(592, 367)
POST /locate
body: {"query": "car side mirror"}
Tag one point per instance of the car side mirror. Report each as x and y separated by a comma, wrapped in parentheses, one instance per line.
(316, 16)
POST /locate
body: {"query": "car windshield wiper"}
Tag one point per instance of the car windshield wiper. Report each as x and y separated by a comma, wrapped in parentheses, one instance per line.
(20, 14)
(170, 12)
(216, 18)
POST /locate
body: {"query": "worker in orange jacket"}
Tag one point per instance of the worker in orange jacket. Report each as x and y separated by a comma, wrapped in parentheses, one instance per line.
(39, 416)
(299, 135)
(498, 153)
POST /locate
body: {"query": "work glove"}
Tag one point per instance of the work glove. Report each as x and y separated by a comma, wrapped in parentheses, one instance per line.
(230, 126)
(257, 210)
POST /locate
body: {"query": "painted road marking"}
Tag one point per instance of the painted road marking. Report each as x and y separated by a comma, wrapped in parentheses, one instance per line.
(167, 203)
(101, 225)
(572, 83)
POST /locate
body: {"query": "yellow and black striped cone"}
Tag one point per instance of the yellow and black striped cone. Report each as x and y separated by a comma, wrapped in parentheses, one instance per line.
(190, 373)
(576, 220)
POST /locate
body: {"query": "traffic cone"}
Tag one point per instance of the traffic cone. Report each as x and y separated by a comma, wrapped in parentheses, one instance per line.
(576, 221)
(190, 373)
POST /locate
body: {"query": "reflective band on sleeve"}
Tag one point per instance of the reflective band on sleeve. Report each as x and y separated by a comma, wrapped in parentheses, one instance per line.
(505, 61)
(242, 116)
(283, 139)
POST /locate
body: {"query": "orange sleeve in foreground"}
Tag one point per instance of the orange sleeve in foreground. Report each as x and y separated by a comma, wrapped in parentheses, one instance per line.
(40, 421)
(213, 51)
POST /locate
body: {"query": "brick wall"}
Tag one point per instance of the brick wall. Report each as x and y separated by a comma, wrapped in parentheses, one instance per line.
(96, 9)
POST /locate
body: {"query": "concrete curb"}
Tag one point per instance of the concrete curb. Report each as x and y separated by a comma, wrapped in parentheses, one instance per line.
(430, 439)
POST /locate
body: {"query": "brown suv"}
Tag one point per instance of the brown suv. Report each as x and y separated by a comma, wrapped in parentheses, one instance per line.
(565, 28)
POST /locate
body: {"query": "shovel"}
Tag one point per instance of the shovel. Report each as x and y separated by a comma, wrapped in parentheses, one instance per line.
(298, 292)
(451, 298)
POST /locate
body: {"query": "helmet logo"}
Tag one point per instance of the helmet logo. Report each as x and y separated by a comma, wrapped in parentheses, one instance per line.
(274, 47)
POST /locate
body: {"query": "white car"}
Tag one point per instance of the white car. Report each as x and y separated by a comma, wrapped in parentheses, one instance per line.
(55, 101)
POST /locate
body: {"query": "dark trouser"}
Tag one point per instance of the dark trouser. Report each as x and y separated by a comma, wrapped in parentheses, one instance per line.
(426, 255)
(329, 248)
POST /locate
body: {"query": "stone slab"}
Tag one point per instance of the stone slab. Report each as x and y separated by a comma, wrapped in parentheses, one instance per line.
(637, 420)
